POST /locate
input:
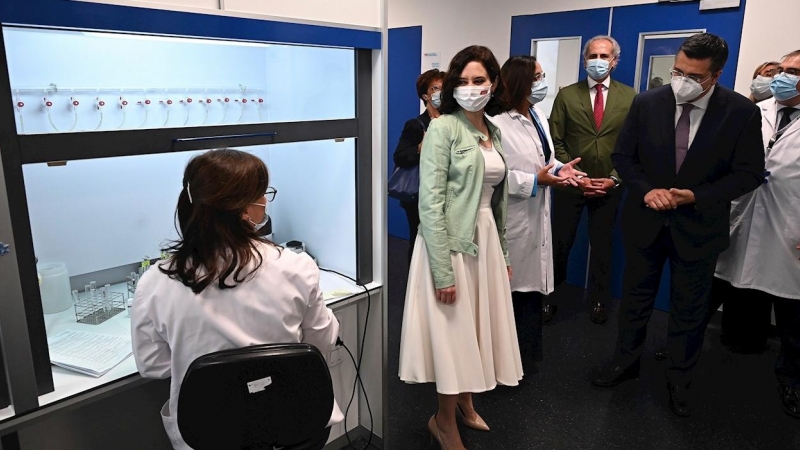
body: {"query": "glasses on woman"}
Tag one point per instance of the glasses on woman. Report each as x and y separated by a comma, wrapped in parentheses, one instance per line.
(538, 76)
(270, 194)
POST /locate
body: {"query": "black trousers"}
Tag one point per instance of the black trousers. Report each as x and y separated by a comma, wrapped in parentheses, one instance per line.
(746, 316)
(690, 305)
(566, 215)
(412, 214)
(754, 329)
(316, 442)
(528, 321)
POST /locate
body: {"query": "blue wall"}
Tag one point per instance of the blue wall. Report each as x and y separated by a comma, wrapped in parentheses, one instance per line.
(628, 23)
(405, 60)
(74, 14)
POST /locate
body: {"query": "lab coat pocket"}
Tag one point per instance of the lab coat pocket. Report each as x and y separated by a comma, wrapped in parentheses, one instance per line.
(171, 427)
(517, 219)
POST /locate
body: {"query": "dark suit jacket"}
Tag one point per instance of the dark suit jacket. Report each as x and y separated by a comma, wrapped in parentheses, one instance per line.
(724, 162)
(574, 133)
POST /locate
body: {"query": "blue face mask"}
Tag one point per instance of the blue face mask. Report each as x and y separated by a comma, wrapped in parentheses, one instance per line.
(538, 92)
(597, 68)
(784, 86)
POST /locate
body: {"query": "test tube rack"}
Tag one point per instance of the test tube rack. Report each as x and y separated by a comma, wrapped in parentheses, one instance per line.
(96, 305)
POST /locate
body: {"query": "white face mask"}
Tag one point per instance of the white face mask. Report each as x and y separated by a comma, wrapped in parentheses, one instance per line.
(760, 88)
(263, 222)
(538, 92)
(473, 98)
(686, 89)
(436, 99)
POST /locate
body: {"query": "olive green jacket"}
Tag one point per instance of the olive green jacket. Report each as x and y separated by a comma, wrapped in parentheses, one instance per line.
(574, 133)
(450, 186)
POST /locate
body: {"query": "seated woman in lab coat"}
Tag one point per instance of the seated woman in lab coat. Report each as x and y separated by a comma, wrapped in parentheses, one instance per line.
(224, 286)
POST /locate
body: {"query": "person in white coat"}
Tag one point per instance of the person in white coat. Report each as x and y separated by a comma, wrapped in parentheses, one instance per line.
(763, 258)
(223, 286)
(532, 168)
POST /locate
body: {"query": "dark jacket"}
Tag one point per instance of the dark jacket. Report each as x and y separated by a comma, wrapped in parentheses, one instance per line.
(405, 154)
(724, 162)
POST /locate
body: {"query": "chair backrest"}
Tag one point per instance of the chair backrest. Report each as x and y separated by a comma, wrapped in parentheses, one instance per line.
(253, 397)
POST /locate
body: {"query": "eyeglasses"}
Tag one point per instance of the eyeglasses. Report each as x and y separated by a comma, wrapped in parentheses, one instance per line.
(789, 71)
(539, 76)
(677, 73)
(271, 193)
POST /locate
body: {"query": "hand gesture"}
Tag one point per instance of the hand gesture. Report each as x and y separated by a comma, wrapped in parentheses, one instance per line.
(571, 174)
(545, 178)
(592, 187)
(446, 295)
(660, 200)
(682, 196)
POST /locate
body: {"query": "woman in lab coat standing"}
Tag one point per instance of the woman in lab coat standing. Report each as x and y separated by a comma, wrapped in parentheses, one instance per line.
(763, 260)
(532, 169)
(223, 286)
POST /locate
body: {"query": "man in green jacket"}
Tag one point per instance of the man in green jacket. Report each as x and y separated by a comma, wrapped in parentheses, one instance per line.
(586, 119)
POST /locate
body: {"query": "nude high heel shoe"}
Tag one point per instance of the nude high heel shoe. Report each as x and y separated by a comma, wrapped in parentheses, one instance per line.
(477, 424)
(433, 427)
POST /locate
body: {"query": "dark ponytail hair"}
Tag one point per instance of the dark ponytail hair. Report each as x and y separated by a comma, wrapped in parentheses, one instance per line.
(214, 242)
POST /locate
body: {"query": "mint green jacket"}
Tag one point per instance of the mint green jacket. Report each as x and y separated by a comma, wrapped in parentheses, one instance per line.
(450, 186)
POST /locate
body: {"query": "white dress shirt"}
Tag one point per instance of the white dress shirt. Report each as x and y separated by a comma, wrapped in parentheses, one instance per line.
(696, 115)
(593, 90)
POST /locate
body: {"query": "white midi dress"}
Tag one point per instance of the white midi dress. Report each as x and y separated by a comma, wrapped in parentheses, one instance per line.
(470, 345)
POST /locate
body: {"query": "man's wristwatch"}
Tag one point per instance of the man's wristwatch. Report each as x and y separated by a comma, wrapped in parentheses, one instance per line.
(615, 180)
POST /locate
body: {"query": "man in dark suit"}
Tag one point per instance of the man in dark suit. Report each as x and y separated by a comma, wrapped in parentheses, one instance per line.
(685, 151)
(585, 121)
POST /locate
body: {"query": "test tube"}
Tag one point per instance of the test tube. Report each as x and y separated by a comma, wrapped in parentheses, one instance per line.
(75, 296)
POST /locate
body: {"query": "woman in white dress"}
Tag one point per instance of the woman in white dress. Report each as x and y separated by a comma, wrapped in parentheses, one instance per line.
(532, 169)
(458, 324)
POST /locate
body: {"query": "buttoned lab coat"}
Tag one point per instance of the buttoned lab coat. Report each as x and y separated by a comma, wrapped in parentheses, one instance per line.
(528, 231)
(765, 224)
(171, 326)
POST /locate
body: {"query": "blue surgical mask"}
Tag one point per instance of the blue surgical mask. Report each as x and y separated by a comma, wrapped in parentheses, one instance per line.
(538, 92)
(784, 86)
(597, 68)
(436, 99)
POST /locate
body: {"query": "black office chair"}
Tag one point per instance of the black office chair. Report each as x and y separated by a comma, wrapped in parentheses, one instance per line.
(259, 397)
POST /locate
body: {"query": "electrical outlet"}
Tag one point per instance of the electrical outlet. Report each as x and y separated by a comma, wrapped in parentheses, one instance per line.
(335, 357)
(340, 319)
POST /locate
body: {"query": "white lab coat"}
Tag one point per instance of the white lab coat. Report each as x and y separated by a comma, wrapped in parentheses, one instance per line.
(765, 223)
(530, 244)
(171, 326)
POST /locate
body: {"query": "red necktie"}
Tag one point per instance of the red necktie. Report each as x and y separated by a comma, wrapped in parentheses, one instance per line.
(598, 106)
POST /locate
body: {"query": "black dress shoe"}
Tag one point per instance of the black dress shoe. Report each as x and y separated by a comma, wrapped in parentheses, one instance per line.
(548, 311)
(616, 375)
(598, 314)
(661, 355)
(679, 400)
(790, 400)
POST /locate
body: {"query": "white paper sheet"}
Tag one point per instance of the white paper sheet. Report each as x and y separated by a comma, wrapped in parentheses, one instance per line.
(88, 353)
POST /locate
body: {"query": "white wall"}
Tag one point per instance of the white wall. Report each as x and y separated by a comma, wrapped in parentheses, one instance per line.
(765, 35)
(450, 25)
(358, 13)
(769, 32)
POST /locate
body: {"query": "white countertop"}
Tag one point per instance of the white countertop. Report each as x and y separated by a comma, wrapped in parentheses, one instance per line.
(68, 383)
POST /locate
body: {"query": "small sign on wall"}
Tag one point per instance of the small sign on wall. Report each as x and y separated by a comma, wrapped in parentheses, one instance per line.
(431, 61)
(718, 4)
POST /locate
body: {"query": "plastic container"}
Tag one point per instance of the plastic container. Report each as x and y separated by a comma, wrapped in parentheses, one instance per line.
(56, 294)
